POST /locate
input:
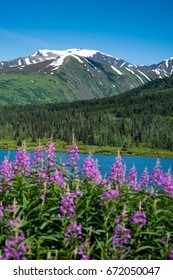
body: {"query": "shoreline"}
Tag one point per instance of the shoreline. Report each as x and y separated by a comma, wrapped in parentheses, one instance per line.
(61, 146)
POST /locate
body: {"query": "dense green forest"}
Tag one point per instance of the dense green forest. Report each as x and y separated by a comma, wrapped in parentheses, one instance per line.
(143, 116)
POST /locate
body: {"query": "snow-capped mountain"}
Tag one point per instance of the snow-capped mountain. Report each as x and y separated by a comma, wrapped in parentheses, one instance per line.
(58, 58)
(77, 74)
(160, 70)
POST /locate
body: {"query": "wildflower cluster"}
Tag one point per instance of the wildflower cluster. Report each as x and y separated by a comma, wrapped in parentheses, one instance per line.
(90, 169)
(167, 183)
(14, 247)
(139, 218)
(67, 206)
(121, 235)
(157, 175)
(131, 180)
(73, 156)
(117, 175)
(6, 171)
(21, 165)
(110, 195)
(73, 231)
(54, 211)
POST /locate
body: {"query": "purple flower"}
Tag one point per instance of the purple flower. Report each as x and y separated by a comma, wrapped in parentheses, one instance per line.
(139, 218)
(110, 195)
(41, 176)
(67, 206)
(81, 249)
(171, 254)
(11, 208)
(118, 219)
(84, 257)
(50, 149)
(38, 156)
(157, 174)
(21, 165)
(144, 180)
(43, 197)
(121, 235)
(73, 231)
(164, 240)
(14, 247)
(90, 169)
(117, 174)
(84, 251)
(132, 179)
(167, 183)
(121, 218)
(57, 178)
(73, 156)
(6, 171)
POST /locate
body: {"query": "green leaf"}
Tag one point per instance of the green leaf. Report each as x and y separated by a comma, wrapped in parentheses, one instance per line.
(149, 233)
(144, 248)
(49, 238)
(44, 224)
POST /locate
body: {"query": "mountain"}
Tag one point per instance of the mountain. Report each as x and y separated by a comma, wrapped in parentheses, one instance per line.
(54, 76)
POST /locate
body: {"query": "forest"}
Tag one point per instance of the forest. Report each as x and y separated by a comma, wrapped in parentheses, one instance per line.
(143, 116)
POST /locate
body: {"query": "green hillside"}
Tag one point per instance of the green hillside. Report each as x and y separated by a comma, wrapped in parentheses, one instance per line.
(37, 84)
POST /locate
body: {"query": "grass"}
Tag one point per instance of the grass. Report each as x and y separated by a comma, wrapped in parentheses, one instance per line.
(62, 146)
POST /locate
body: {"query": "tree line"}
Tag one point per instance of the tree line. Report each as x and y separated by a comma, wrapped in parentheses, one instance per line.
(143, 116)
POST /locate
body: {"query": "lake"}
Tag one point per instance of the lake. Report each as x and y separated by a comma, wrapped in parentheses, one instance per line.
(105, 161)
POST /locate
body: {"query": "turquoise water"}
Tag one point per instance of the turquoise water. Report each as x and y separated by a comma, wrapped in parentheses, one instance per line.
(105, 162)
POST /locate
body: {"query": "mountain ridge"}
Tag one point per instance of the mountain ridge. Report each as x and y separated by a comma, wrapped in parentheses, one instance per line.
(49, 76)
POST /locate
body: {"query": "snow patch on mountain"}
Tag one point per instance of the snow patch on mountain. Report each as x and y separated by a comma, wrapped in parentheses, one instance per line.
(56, 53)
(116, 70)
(80, 60)
(122, 64)
(60, 60)
(135, 75)
(27, 61)
(57, 63)
(144, 75)
(19, 62)
(156, 71)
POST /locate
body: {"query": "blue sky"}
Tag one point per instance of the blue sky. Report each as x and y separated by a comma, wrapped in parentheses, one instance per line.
(141, 32)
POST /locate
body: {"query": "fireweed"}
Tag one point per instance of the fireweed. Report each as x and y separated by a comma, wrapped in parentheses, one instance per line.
(73, 157)
(50, 150)
(15, 244)
(167, 184)
(144, 180)
(121, 242)
(67, 206)
(58, 206)
(21, 165)
(131, 180)
(117, 174)
(38, 157)
(90, 169)
(139, 218)
(157, 175)
(6, 171)
(73, 231)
